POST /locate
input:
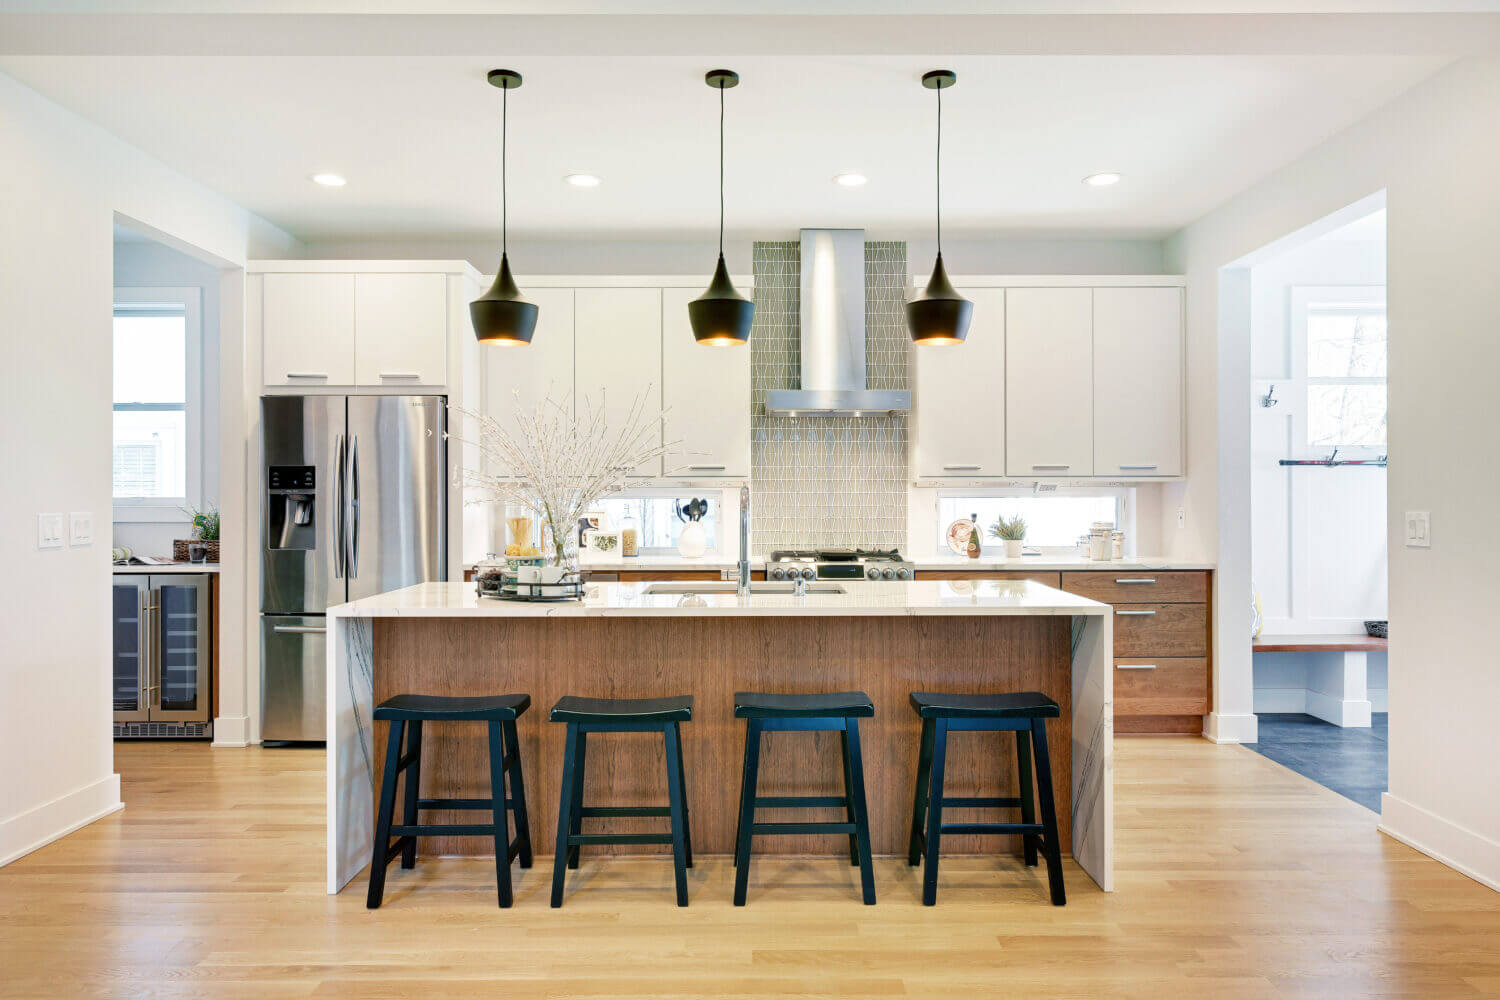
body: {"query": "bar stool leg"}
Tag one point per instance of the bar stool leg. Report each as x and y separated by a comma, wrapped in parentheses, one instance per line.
(678, 809)
(518, 793)
(849, 791)
(919, 804)
(861, 810)
(1028, 803)
(1049, 812)
(383, 815)
(934, 811)
(564, 815)
(747, 811)
(497, 810)
(413, 783)
(580, 772)
(687, 812)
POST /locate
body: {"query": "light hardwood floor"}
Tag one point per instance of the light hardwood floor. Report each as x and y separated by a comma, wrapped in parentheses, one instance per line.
(1236, 878)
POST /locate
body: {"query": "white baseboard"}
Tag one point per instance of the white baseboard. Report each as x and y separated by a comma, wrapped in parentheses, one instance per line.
(232, 731)
(1224, 728)
(1341, 712)
(1281, 701)
(40, 826)
(1465, 851)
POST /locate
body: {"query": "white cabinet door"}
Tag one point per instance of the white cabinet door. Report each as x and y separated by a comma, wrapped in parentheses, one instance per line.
(618, 359)
(1049, 374)
(307, 329)
(1138, 381)
(401, 329)
(518, 378)
(958, 406)
(706, 395)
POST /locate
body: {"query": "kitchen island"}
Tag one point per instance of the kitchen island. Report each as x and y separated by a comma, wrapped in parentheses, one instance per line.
(647, 640)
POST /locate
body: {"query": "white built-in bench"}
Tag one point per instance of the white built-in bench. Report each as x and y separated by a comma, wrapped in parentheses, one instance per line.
(1337, 678)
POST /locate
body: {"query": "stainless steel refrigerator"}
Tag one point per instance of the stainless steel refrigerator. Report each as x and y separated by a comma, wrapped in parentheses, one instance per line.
(353, 503)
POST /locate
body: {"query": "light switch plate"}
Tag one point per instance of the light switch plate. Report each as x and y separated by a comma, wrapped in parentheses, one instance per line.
(81, 528)
(1418, 529)
(49, 531)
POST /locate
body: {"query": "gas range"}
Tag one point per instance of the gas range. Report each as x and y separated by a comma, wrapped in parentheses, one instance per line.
(838, 564)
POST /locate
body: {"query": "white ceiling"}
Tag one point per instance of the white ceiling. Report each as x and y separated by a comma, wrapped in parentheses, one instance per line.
(418, 138)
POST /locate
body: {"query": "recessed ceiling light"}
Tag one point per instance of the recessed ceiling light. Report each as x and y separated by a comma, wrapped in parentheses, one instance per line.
(1101, 180)
(329, 180)
(850, 180)
(582, 180)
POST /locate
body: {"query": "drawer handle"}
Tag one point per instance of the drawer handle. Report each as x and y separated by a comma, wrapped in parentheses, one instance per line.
(706, 468)
(403, 376)
(960, 468)
(1135, 612)
(1135, 579)
(306, 374)
(300, 629)
(1135, 666)
(1143, 468)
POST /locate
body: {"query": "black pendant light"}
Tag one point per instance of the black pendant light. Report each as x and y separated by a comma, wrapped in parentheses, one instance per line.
(721, 316)
(939, 315)
(501, 315)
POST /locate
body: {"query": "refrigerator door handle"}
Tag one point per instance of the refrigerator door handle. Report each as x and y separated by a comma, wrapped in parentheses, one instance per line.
(353, 488)
(338, 507)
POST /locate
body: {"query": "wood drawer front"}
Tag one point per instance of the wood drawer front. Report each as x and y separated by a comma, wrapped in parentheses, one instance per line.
(1164, 685)
(1161, 630)
(1138, 586)
(1052, 579)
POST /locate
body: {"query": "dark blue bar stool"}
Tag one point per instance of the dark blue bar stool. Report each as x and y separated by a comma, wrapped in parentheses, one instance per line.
(406, 713)
(802, 713)
(1025, 712)
(621, 715)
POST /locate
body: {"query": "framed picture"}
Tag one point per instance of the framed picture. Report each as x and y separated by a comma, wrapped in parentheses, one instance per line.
(592, 520)
(600, 546)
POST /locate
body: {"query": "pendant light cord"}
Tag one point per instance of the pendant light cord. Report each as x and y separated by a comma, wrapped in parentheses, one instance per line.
(721, 170)
(939, 171)
(504, 199)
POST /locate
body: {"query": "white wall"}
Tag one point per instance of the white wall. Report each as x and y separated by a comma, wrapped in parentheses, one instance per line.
(1436, 153)
(65, 179)
(1318, 555)
(150, 263)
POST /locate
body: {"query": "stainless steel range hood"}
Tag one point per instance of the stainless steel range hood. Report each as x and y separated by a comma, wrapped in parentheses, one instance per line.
(833, 333)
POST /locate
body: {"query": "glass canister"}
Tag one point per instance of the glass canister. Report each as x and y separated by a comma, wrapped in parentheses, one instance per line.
(630, 536)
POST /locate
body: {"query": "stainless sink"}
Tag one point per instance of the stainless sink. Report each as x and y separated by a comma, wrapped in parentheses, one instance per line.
(728, 587)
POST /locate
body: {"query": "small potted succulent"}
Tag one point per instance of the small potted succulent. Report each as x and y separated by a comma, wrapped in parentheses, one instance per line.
(1011, 531)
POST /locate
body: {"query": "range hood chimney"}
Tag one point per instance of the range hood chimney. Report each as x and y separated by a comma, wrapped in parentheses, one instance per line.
(833, 333)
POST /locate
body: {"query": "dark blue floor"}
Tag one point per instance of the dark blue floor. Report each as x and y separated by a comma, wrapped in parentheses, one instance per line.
(1352, 762)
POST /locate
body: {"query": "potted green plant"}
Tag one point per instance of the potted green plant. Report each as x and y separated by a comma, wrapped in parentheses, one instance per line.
(205, 538)
(1011, 531)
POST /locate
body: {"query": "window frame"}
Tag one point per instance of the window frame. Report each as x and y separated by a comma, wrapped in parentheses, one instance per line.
(716, 548)
(1124, 497)
(1303, 298)
(146, 300)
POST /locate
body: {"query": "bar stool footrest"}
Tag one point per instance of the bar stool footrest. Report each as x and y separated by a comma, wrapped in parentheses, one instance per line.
(463, 804)
(586, 839)
(981, 803)
(801, 802)
(625, 812)
(444, 830)
(993, 828)
(773, 828)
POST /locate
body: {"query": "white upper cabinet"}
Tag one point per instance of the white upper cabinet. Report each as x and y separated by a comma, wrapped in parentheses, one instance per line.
(1049, 374)
(307, 329)
(617, 344)
(1138, 368)
(400, 329)
(518, 378)
(706, 393)
(958, 418)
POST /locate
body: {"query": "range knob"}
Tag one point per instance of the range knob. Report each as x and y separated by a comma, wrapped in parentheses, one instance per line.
(808, 573)
(903, 574)
(872, 573)
(777, 573)
(888, 574)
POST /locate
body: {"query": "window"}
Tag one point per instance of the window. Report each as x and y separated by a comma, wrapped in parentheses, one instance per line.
(656, 518)
(157, 425)
(1344, 358)
(1054, 521)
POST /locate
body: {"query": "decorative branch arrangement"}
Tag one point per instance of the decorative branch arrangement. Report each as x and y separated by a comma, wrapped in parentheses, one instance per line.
(559, 464)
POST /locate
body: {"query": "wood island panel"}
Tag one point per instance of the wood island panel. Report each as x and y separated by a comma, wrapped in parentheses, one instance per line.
(711, 658)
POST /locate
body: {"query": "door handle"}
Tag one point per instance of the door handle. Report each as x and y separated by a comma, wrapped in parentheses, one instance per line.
(146, 645)
(1135, 612)
(706, 468)
(963, 468)
(153, 669)
(1050, 468)
(353, 557)
(301, 629)
(337, 528)
(405, 376)
(1142, 468)
(322, 375)
(1135, 666)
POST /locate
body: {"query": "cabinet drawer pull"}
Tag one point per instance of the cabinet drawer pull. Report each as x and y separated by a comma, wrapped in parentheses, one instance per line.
(1135, 666)
(1135, 612)
(403, 376)
(1063, 468)
(300, 629)
(306, 374)
(1135, 579)
(1140, 467)
(706, 468)
(960, 468)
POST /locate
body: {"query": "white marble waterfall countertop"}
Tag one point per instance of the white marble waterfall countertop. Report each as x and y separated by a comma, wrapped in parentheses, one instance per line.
(861, 597)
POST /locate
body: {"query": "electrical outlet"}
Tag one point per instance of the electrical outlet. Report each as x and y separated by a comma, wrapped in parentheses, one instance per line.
(1181, 517)
(81, 528)
(1418, 529)
(49, 531)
